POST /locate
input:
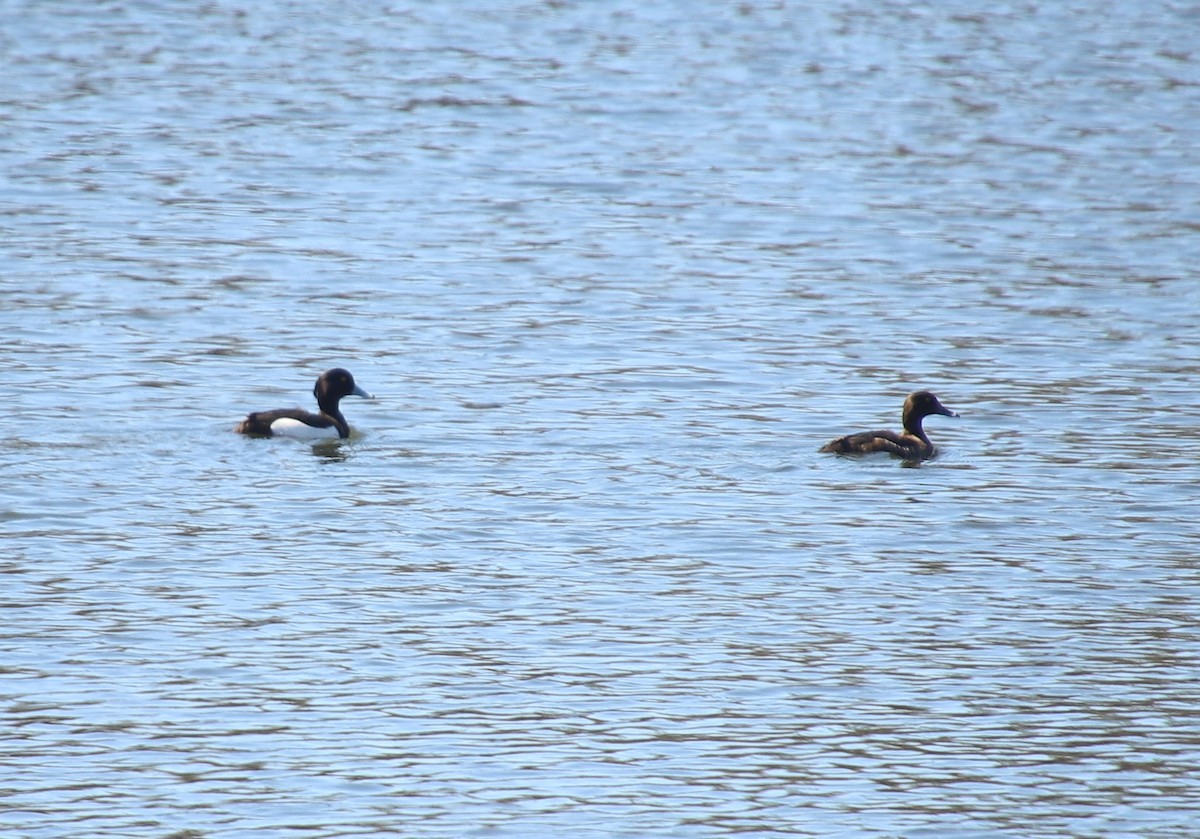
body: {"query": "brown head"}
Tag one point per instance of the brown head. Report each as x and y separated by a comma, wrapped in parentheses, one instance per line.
(920, 405)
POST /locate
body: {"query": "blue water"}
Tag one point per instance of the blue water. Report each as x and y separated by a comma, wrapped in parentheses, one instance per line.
(615, 273)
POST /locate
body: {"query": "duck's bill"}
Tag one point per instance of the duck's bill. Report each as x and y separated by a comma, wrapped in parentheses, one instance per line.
(358, 391)
(946, 412)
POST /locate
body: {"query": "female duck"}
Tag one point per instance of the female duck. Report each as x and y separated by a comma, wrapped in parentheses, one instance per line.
(912, 444)
(326, 424)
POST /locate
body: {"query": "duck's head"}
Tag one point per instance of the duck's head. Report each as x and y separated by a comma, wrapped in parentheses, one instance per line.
(332, 385)
(923, 403)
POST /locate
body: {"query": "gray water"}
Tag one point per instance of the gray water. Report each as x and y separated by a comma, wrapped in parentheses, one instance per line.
(615, 271)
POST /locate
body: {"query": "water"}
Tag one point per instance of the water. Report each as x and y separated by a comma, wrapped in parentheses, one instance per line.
(615, 274)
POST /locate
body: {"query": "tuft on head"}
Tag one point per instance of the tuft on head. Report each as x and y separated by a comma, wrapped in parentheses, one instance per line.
(337, 380)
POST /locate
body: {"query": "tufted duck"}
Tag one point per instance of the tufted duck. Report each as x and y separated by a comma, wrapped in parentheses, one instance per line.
(328, 424)
(912, 444)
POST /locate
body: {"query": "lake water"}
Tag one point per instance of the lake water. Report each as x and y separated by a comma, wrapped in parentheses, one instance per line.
(615, 272)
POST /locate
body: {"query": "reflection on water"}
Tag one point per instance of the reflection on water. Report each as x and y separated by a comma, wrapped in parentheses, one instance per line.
(616, 274)
(331, 451)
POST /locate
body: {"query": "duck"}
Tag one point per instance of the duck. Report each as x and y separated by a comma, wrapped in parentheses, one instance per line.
(911, 444)
(297, 423)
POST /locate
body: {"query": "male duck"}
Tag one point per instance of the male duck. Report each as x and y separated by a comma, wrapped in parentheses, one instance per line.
(912, 444)
(327, 424)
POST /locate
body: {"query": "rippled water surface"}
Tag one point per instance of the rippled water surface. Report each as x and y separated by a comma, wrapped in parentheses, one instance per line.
(615, 272)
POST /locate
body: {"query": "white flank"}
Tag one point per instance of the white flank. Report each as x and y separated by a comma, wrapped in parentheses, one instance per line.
(288, 427)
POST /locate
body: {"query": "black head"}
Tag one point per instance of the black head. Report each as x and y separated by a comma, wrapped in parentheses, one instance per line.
(923, 403)
(332, 385)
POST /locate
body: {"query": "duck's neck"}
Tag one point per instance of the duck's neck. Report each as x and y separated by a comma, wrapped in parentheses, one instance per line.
(912, 425)
(330, 407)
(339, 421)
